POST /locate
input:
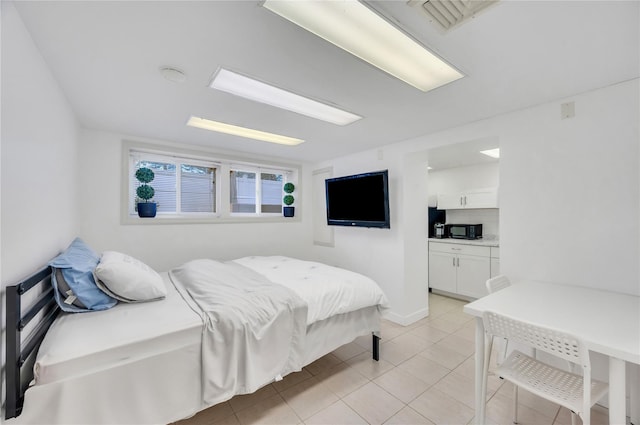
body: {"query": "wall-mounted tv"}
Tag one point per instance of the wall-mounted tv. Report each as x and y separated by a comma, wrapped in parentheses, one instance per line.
(361, 200)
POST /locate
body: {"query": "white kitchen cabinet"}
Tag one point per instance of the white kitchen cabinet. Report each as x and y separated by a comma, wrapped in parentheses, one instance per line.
(459, 269)
(477, 198)
(442, 271)
(495, 261)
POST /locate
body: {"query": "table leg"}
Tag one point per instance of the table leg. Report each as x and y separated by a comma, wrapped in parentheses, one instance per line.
(617, 392)
(479, 358)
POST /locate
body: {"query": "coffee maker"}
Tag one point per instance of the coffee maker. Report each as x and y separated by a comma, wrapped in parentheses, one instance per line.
(436, 216)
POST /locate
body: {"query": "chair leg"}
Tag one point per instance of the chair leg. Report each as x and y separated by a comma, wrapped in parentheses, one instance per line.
(503, 356)
(586, 417)
(574, 419)
(515, 404)
(488, 345)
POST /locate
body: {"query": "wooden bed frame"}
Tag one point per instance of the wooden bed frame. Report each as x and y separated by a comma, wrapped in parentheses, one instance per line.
(21, 352)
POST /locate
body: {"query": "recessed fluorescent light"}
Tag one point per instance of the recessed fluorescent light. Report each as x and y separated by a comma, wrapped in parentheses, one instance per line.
(221, 127)
(360, 31)
(243, 86)
(493, 153)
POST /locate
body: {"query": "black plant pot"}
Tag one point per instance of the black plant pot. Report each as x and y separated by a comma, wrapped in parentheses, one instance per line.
(288, 211)
(146, 209)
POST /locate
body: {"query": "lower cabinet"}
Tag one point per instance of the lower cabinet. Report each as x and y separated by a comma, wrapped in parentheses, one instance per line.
(495, 261)
(459, 269)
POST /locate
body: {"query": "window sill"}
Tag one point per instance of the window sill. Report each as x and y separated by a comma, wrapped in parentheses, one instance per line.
(159, 219)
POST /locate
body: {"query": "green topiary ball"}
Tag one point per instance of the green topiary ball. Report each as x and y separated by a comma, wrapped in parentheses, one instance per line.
(145, 192)
(288, 200)
(144, 175)
(289, 187)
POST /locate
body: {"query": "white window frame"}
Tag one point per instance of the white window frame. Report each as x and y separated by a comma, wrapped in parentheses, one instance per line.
(223, 164)
(258, 171)
(177, 161)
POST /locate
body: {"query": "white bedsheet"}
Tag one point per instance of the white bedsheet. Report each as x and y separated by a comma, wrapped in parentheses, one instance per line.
(134, 363)
(84, 343)
(327, 290)
(254, 329)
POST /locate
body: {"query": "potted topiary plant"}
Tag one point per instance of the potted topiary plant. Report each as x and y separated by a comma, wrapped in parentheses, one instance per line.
(288, 200)
(145, 192)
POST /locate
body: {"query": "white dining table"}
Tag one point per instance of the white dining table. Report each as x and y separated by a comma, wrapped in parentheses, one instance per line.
(608, 322)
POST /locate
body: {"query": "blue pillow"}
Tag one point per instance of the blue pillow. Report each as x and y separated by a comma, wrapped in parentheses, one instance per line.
(73, 282)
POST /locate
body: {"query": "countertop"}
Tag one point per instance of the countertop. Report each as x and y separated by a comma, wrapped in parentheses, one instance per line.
(480, 242)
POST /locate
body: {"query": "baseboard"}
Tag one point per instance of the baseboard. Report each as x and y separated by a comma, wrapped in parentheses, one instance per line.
(452, 295)
(407, 320)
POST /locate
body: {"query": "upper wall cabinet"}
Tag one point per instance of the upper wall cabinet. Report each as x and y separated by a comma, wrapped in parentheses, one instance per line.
(476, 198)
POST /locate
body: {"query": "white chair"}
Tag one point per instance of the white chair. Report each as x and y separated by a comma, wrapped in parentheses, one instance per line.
(576, 393)
(495, 284)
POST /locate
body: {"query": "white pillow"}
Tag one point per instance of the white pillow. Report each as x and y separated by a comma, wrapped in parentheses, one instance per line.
(127, 279)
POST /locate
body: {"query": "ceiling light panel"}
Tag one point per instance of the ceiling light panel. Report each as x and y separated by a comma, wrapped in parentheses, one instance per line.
(249, 133)
(360, 31)
(249, 88)
(493, 153)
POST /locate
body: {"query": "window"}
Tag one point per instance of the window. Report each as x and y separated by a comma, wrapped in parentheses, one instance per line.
(181, 185)
(199, 188)
(255, 191)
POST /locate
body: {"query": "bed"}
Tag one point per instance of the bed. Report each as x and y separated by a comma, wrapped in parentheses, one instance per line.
(161, 361)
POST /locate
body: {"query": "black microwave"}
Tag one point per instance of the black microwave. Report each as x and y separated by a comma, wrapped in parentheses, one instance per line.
(463, 231)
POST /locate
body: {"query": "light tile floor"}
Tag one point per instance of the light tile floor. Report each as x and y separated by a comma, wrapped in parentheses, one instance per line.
(425, 376)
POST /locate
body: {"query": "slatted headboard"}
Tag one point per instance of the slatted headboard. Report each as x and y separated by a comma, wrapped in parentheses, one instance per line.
(21, 352)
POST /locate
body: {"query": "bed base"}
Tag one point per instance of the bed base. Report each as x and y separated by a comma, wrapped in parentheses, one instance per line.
(20, 352)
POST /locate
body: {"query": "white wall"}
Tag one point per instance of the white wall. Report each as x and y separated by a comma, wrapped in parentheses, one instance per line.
(164, 246)
(569, 198)
(415, 229)
(38, 174)
(569, 192)
(39, 156)
(395, 258)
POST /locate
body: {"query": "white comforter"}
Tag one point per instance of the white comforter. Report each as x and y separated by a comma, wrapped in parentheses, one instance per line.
(327, 290)
(256, 311)
(254, 329)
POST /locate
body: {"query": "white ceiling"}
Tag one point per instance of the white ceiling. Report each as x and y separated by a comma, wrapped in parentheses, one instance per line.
(106, 55)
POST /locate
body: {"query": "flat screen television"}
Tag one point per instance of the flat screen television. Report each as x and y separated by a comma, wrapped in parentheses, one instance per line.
(360, 200)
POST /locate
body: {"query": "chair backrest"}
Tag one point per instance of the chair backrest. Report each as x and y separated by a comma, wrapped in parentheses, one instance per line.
(552, 341)
(497, 283)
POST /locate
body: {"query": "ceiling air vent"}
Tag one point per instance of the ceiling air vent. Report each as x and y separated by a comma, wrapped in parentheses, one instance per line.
(450, 13)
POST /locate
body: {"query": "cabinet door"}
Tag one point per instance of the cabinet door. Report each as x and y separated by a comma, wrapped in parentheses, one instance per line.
(473, 273)
(448, 201)
(481, 198)
(495, 267)
(442, 271)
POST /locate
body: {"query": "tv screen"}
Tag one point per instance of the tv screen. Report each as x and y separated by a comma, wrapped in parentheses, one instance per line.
(361, 200)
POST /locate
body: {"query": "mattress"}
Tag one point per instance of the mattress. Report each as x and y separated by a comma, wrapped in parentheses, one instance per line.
(135, 363)
(79, 344)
